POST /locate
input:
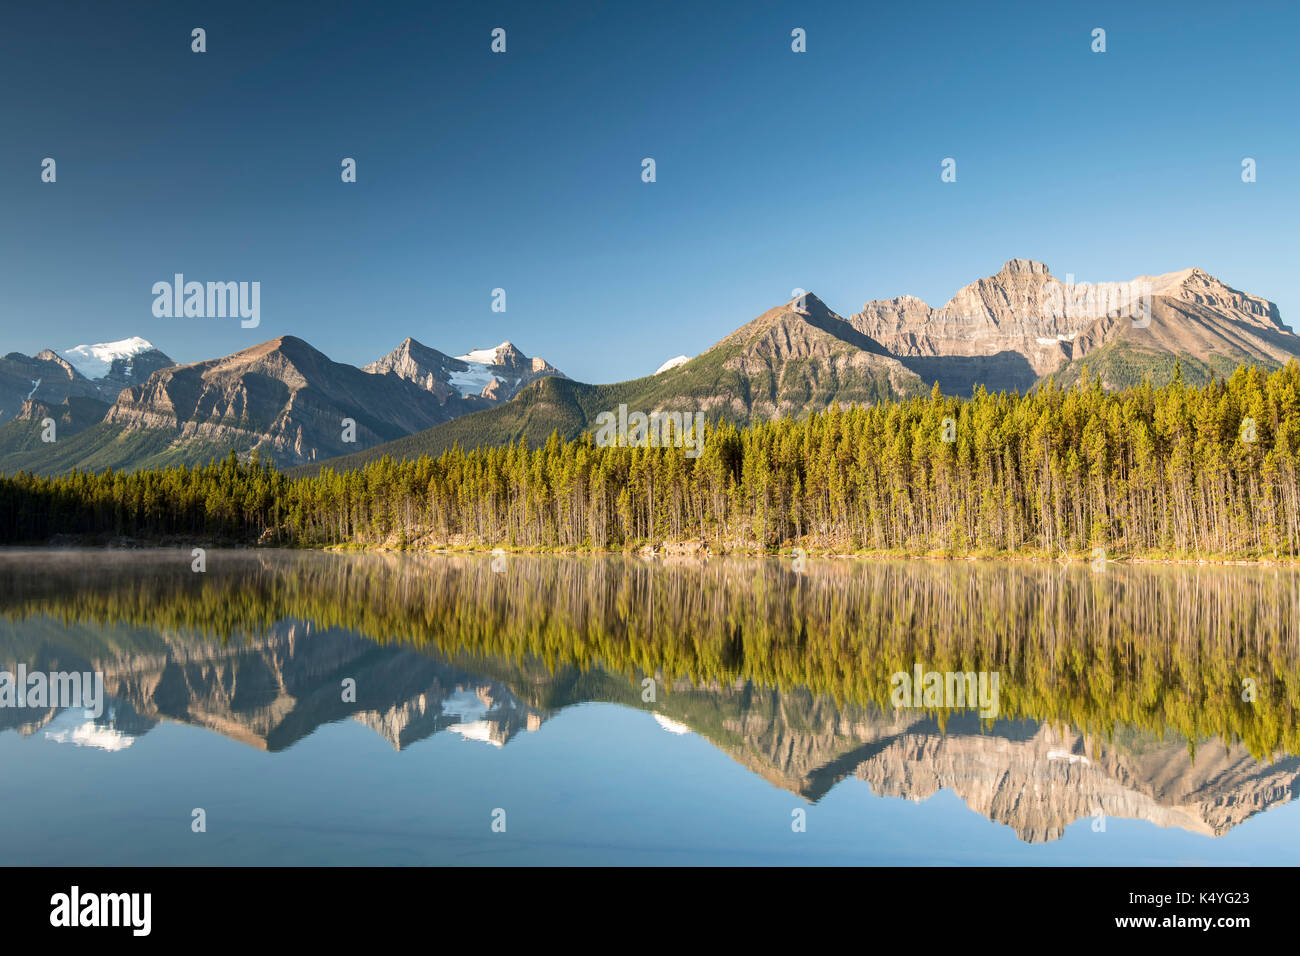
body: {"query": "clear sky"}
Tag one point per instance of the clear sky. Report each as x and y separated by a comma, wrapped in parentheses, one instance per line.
(522, 170)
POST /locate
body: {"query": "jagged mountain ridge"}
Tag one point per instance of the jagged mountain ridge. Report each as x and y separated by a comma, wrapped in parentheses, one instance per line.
(1025, 323)
(1030, 776)
(1008, 331)
(1011, 330)
(117, 365)
(281, 399)
(274, 690)
(490, 375)
(794, 358)
(98, 372)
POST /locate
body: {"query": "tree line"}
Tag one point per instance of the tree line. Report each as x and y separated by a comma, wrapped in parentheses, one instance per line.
(1167, 650)
(1169, 471)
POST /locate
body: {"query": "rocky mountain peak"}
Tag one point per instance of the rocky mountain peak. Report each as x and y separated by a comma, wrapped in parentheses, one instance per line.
(498, 355)
(1025, 266)
(49, 355)
(487, 375)
(808, 303)
(114, 359)
(96, 372)
(1022, 323)
(282, 398)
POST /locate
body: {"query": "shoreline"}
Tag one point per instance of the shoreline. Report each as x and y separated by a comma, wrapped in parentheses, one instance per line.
(672, 552)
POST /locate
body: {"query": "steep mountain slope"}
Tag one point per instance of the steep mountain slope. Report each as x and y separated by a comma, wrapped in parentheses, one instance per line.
(1195, 320)
(1011, 329)
(282, 399)
(792, 359)
(503, 370)
(1007, 331)
(44, 377)
(288, 402)
(1006, 320)
(87, 371)
(490, 375)
(114, 366)
(74, 414)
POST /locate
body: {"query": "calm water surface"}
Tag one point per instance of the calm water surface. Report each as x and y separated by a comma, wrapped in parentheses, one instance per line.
(627, 711)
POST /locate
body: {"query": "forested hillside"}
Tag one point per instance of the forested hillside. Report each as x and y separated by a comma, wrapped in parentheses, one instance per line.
(1176, 470)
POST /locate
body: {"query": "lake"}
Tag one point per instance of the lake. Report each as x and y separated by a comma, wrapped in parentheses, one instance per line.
(286, 707)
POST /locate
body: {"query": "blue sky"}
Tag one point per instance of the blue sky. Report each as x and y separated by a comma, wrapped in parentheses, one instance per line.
(522, 170)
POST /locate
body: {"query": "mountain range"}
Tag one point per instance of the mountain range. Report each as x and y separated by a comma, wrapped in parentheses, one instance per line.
(282, 400)
(272, 690)
(127, 405)
(1023, 324)
(1014, 330)
(95, 372)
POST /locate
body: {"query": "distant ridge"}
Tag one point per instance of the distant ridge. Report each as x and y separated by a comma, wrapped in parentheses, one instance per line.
(1007, 332)
(794, 358)
(492, 375)
(291, 404)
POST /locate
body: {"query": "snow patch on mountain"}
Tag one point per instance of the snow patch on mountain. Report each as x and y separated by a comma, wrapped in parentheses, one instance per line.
(473, 712)
(95, 361)
(478, 730)
(672, 726)
(473, 380)
(465, 704)
(673, 363)
(479, 375)
(486, 356)
(67, 728)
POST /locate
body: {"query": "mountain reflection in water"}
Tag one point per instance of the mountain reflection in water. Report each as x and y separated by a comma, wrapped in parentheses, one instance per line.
(1121, 692)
